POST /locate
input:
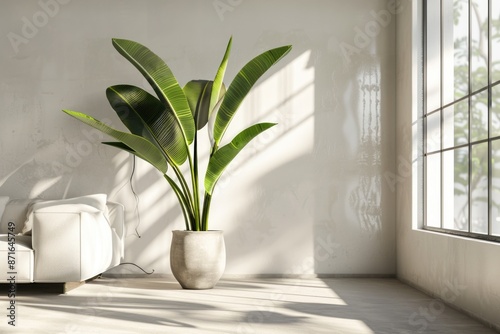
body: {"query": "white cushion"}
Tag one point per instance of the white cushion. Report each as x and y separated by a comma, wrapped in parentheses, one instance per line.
(74, 208)
(24, 259)
(82, 203)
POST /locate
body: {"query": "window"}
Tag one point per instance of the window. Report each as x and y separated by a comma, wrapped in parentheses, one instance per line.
(462, 117)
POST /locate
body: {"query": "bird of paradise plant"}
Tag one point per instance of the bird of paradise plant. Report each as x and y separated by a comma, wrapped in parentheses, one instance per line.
(164, 128)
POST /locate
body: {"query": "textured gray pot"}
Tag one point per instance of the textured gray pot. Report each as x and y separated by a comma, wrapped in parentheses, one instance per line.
(197, 258)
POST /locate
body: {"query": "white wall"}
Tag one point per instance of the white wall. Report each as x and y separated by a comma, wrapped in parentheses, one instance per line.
(459, 271)
(315, 196)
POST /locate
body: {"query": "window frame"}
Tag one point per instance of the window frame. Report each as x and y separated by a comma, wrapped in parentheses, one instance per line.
(470, 144)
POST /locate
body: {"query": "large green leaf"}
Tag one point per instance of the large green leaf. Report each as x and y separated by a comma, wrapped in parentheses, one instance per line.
(218, 84)
(124, 147)
(198, 95)
(144, 115)
(241, 85)
(222, 157)
(144, 148)
(161, 78)
(121, 146)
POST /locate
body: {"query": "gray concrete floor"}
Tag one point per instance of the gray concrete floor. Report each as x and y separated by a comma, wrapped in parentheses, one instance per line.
(243, 306)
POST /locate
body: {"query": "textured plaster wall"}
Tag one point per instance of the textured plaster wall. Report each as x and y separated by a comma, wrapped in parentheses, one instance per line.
(315, 195)
(458, 271)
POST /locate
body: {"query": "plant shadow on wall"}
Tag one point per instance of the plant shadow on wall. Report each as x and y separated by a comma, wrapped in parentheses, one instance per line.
(164, 133)
(47, 168)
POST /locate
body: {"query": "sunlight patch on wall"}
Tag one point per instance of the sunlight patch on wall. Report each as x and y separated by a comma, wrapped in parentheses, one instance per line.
(272, 171)
(43, 185)
(286, 98)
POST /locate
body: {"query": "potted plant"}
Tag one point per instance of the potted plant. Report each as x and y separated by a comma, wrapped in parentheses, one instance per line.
(164, 132)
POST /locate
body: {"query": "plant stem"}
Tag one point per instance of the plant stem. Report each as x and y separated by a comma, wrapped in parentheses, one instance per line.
(188, 219)
(195, 180)
(187, 200)
(185, 188)
(207, 199)
(206, 211)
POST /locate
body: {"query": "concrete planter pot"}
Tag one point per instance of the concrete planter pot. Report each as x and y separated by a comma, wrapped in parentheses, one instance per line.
(197, 258)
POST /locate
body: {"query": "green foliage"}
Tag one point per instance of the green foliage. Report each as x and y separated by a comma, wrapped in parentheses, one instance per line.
(163, 129)
(472, 117)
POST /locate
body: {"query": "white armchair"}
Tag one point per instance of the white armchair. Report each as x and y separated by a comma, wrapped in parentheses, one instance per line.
(62, 241)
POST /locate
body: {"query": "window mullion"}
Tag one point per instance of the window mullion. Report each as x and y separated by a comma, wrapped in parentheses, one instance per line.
(490, 166)
(441, 87)
(469, 55)
(424, 116)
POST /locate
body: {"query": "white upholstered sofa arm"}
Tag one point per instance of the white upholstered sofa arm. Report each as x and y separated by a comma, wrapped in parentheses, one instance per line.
(70, 245)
